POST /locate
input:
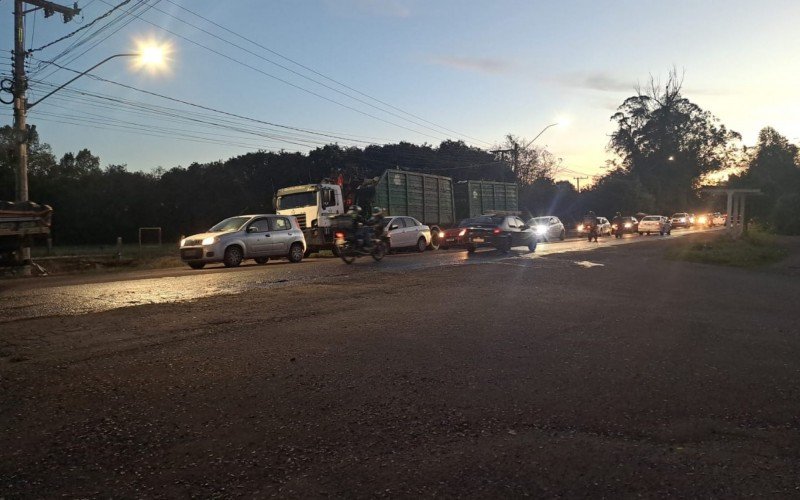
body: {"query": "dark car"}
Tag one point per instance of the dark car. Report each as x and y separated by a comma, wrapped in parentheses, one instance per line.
(502, 232)
(624, 225)
(456, 236)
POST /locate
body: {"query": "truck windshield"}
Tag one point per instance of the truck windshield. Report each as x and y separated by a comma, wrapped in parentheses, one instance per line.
(231, 224)
(297, 200)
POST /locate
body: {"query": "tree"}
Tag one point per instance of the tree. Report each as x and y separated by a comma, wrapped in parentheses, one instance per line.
(529, 163)
(669, 143)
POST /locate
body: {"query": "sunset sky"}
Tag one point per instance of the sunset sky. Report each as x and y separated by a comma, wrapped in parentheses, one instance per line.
(383, 71)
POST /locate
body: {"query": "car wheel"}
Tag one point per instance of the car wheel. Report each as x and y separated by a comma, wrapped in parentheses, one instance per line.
(471, 248)
(296, 253)
(233, 256)
(661, 233)
(640, 233)
(532, 246)
(562, 235)
(505, 247)
(197, 265)
(648, 233)
(261, 260)
(421, 245)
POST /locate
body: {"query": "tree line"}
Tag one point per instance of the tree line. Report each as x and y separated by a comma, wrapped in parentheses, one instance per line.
(664, 146)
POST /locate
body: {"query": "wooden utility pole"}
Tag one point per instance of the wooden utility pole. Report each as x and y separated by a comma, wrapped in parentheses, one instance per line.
(20, 89)
(578, 182)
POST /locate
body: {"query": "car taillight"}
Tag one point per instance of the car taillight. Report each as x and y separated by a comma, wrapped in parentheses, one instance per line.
(462, 232)
(340, 236)
(497, 230)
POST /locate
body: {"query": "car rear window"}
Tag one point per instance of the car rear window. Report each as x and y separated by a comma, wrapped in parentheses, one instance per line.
(651, 218)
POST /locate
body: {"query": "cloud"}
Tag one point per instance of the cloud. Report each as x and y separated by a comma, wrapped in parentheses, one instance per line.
(380, 8)
(476, 64)
(599, 81)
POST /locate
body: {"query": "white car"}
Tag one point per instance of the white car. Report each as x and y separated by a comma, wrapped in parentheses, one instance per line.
(548, 228)
(407, 232)
(655, 224)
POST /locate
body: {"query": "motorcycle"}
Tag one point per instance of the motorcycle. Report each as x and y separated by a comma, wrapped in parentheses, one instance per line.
(350, 245)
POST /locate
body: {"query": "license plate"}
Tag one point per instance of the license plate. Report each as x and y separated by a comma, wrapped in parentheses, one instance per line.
(194, 253)
(450, 240)
(478, 240)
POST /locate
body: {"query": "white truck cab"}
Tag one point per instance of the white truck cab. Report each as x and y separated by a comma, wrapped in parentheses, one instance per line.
(313, 205)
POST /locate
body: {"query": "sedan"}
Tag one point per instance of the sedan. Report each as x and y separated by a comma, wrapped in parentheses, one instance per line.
(407, 232)
(548, 228)
(258, 237)
(655, 224)
(502, 232)
(456, 236)
(681, 219)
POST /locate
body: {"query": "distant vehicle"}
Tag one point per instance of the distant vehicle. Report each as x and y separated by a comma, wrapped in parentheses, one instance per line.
(654, 224)
(258, 237)
(502, 232)
(681, 219)
(703, 220)
(548, 228)
(603, 227)
(407, 232)
(718, 219)
(623, 225)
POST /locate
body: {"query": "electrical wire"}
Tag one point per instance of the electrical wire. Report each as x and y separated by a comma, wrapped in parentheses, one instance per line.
(68, 35)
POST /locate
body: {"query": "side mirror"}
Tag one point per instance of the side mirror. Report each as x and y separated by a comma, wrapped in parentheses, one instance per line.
(252, 229)
(393, 226)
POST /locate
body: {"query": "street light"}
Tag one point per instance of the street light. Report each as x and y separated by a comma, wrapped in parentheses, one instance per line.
(149, 55)
(540, 133)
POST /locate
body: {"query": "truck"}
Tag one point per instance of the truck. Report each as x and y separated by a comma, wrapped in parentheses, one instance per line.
(20, 223)
(434, 200)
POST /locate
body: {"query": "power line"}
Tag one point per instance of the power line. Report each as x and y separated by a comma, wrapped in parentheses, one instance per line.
(210, 21)
(68, 35)
(277, 78)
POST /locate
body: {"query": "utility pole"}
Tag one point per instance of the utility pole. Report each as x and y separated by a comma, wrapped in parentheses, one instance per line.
(20, 89)
(578, 182)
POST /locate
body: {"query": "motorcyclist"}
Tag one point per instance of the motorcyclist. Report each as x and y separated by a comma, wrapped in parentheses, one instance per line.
(354, 212)
(618, 225)
(377, 222)
(590, 224)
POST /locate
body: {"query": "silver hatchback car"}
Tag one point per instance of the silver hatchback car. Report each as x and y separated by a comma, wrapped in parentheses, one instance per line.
(257, 237)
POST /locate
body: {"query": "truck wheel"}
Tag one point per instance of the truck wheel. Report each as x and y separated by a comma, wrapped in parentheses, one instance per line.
(296, 253)
(233, 256)
(421, 245)
(197, 265)
(261, 260)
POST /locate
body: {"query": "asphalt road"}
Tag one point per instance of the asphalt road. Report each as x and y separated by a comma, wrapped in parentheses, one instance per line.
(81, 294)
(609, 372)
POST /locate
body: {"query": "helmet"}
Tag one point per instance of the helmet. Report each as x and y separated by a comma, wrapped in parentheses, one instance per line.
(377, 211)
(354, 209)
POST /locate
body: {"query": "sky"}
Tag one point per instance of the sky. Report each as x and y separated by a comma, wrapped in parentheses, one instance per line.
(294, 75)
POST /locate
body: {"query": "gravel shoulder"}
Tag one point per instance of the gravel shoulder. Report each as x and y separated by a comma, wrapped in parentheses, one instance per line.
(606, 373)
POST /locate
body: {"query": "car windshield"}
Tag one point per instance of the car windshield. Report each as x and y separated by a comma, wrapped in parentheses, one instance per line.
(297, 200)
(675, 216)
(538, 221)
(484, 220)
(231, 224)
(651, 218)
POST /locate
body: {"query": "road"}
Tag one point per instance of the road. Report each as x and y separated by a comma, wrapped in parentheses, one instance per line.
(70, 295)
(608, 372)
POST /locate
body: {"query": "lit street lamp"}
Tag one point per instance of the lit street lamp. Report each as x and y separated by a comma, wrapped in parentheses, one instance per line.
(149, 55)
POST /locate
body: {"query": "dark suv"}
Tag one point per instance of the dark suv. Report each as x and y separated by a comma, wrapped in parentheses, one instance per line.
(502, 232)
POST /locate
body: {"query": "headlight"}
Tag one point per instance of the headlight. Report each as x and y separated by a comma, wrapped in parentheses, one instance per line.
(462, 232)
(183, 242)
(441, 234)
(628, 225)
(580, 227)
(541, 229)
(209, 241)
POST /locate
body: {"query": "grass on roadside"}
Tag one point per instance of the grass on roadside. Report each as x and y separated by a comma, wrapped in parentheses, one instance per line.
(756, 248)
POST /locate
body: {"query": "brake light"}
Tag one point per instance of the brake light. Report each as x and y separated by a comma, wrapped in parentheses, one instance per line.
(339, 236)
(497, 230)
(462, 232)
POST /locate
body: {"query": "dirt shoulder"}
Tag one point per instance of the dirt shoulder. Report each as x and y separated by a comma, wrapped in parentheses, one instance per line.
(544, 377)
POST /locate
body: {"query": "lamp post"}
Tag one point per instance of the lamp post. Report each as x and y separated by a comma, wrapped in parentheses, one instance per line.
(149, 55)
(540, 133)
